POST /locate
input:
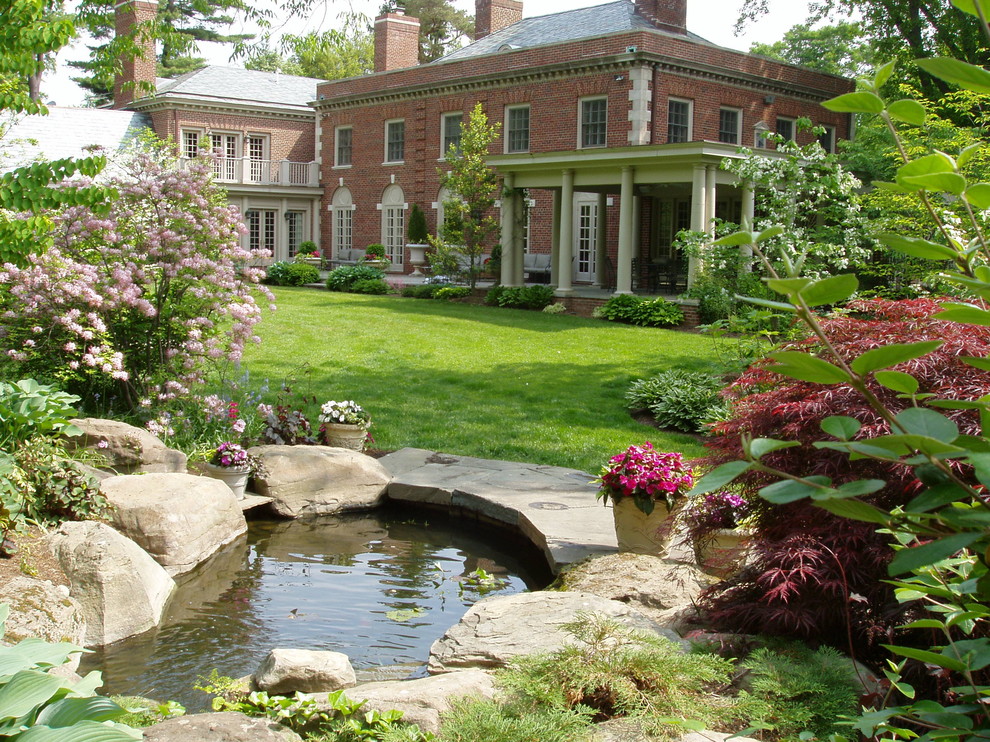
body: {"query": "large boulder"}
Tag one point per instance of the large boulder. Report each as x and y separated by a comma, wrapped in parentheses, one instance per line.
(43, 610)
(497, 630)
(125, 448)
(179, 519)
(319, 480)
(665, 591)
(220, 727)
(424, 699)
(121, 589)
(285, 671)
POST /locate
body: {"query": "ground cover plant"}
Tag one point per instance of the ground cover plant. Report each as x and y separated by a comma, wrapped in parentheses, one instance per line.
(473, 380)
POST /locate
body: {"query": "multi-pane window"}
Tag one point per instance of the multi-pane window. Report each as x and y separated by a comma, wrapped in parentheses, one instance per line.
(395, 141)
(785, 128)
(294, 224)
(343, 228)
(729, 120)
(190, 144)
(395, 227)
(594, 116)
(345, 136)
(451, 132)
(255, 146)
(517, 129)
(261, 229)
(224, 149)
(678, 121)
(827, 139)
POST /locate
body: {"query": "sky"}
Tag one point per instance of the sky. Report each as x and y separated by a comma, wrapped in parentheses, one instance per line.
(712, 19)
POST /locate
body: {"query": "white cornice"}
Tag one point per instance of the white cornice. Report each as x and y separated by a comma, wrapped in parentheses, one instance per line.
(174, 101)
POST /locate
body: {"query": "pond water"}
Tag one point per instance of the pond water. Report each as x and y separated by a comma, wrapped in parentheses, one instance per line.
(380, 587)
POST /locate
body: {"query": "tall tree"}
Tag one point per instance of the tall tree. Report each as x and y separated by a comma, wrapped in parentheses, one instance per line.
(442, 27)
(330, 55)
(902, 30)
(840, 49)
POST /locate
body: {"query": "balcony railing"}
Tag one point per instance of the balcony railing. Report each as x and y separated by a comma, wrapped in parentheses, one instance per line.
(245, 171)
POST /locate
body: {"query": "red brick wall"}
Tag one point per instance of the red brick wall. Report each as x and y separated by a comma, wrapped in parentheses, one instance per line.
(670, 15)
(493, 15)
(290, 139)
(396, 42)
(136, 69)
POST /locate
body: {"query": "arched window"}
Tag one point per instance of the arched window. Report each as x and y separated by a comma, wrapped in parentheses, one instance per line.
(343, 220)
(393, 223)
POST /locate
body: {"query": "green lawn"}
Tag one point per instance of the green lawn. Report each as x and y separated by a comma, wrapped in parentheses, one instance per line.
(470, 380)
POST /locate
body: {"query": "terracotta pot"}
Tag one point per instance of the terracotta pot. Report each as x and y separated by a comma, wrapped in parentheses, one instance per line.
(639, 533)
(235, 477)
(346, 436)
(724, 552)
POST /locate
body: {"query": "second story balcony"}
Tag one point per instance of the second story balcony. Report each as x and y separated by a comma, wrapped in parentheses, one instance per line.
(247, 171)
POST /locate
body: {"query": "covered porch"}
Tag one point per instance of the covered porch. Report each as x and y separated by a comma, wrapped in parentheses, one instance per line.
(652, 192)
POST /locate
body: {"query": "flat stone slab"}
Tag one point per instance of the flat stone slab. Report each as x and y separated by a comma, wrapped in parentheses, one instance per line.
(553, 507)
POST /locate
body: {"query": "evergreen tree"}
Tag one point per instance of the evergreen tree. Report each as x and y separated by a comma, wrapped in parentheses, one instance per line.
(442, 27)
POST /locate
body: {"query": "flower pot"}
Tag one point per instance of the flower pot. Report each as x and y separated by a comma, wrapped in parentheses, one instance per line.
(417, 256)
(639, 533)
(379, 264)
(235, 477)
(315, 262)
(723, 552)
(346, 436)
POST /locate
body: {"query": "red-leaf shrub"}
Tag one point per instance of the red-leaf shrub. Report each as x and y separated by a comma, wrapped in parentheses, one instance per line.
(814, 572)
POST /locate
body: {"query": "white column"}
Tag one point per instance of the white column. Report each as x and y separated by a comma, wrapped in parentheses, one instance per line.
(507, 224)
(564, 267)
(601, 244)
(518, 267)
(636, 242)
(555, 238)
(748, 217)
(623, 268)
(698, 210)
(710, 200)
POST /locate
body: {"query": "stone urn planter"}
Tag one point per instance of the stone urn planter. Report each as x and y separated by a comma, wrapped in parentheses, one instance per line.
(345, 436)
(724, 552)
(235, 477)
(417, 256)
(315, 262)
(379, 264)
(639, 533)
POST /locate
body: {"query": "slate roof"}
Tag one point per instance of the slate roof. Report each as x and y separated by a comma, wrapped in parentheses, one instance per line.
(243, 86)
(68, 132)
(569, 25)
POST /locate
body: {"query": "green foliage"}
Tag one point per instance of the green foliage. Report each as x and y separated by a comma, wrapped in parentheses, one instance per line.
(471, 720)
(369, 286)
(635, 310)
(442, 26)
(374, 251)
(839, 49)
(144, 712)
(473, 188)
(680, 399)
(284, 273)
(36, 704)
(342, 278)
(423, 290)
(447, 293)
(328, 55)
(28, 408)
(793, 689)
(417, 232)
(520, 297)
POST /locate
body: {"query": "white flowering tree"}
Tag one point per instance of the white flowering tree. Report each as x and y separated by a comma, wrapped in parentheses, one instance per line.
(135, 303)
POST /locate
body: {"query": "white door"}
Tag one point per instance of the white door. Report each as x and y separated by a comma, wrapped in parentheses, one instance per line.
(586, 235)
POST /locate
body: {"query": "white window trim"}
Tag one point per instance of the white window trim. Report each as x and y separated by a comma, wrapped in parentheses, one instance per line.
(443, 131)
(739, 123)
(690, 105)
(387, 161)
(200, 134)
(830, 133)
(580, 120)
(336, 147)
(505, 127)
(266, 143)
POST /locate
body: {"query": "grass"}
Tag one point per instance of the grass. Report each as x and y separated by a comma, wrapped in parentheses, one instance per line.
(472, 380)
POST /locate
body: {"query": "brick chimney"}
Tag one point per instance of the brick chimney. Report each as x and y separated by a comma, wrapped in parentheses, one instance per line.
(667, 15)
(396, 42)
(494, 15)
(135, 18)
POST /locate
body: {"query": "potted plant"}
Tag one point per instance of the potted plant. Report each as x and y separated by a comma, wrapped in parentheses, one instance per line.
(374, 255)
(416, 239)
(646, 489)
(344, 425)
(716, 529)
(231, 464)
(309, 252)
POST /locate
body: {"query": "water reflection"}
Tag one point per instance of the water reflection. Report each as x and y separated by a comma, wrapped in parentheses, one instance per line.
(379, 587)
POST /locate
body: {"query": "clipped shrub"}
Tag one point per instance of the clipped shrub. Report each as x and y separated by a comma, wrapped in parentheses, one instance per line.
(520, 297)
(417, 231)
(680, 399)
(635, 310)
(448, 293)
(342, 278)
(284, 273)
(423, 290)
(369, 286)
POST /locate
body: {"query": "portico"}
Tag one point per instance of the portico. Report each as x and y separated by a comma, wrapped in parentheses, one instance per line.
(661, 190)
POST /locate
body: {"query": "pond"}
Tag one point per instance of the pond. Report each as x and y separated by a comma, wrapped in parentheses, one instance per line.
(379, 587)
